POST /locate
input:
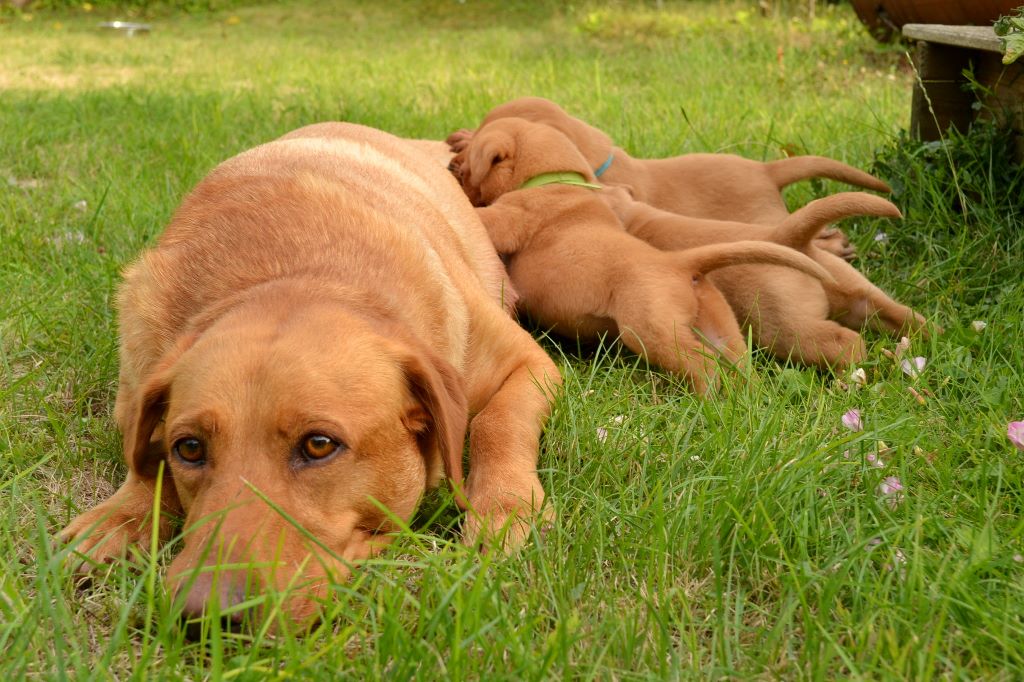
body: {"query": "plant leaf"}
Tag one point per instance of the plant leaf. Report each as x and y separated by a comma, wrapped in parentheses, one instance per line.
(1010, 30)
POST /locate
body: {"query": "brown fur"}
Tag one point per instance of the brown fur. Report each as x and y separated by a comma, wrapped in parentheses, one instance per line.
(580, 273)
(792, 315)
(716, 186)
(334, 281)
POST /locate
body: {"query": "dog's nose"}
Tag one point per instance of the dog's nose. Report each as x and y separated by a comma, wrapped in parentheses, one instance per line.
(196, 594)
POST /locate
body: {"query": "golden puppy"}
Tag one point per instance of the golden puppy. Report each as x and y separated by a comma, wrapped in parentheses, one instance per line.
(309, 338)
(577, 270)
(792, 315)
(717, 186)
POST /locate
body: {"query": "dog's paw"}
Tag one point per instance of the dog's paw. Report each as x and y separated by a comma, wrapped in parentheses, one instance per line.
(104, 535)
(459, 140)
(833, 240)
(504, 524)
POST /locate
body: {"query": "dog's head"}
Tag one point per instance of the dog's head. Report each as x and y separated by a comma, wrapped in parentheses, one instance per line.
(297, 436)
(504, 154)
(592, 143)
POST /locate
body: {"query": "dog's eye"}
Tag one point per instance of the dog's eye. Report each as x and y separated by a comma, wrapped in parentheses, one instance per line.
(189, 450)
(318, 446)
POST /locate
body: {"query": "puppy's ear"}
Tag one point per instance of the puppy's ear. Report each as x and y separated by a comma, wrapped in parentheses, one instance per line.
(439, 420)
(148, 410)
(488, 149)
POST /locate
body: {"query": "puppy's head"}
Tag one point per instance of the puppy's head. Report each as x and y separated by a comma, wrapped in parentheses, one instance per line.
(507, 152)
(297, 436)
(592, 143)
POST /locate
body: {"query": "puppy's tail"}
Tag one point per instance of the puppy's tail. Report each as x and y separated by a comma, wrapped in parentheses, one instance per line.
(787, 171)
(803, 225)
(705, 259)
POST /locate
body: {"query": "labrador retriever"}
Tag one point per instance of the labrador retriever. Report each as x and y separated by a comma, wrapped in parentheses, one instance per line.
(301, 353)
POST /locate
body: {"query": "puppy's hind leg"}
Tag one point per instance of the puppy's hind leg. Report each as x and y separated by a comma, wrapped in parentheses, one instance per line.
(655, 314)
(820, 343)
(857, 303)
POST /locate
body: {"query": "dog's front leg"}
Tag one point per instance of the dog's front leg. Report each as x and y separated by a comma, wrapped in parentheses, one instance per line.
(503, 488)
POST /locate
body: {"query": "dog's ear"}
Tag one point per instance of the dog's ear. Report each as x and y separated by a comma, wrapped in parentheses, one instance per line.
(148, 410)
(488, 148)
(441, 414)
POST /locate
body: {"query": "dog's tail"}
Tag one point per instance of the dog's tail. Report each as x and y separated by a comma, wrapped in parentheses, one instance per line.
(704, 259)
(787, 171)
(803, 225)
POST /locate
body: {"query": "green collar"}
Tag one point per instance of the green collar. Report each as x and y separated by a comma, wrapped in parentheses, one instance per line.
(565, 178)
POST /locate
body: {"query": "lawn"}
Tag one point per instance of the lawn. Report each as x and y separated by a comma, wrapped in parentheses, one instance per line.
(750, 534)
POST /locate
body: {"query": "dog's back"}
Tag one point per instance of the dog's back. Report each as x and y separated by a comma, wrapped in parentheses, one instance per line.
(307, 205)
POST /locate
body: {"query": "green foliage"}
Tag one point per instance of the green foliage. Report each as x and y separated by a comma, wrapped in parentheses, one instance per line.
(743, 536)
(1010, 30)
(135, 8)
(972, 174)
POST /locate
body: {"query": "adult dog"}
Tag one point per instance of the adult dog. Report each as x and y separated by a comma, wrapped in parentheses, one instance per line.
(716, 186)
(578, 271)
(304, 347)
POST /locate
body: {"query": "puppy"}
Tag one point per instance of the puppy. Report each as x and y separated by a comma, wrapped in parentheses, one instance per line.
(305, 346)
(792, 315)
(716, 186)
(578, 272)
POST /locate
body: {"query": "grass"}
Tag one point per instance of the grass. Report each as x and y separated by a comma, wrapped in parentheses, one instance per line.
(740, 536)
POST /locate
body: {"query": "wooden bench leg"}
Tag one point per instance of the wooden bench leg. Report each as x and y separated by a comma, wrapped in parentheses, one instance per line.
(940, 68)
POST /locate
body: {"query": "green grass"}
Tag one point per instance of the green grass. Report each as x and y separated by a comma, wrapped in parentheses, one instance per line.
(738, 536)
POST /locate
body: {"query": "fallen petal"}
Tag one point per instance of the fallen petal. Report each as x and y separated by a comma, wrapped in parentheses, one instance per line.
(852, 420)
(890, 485)
(979, 325)
(914, 366)
(881, 237)
(1015, 432)
(859, 377)
(602, 434)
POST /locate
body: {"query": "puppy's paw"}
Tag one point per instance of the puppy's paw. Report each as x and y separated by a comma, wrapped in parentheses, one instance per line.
(459, 140)
(833, 240)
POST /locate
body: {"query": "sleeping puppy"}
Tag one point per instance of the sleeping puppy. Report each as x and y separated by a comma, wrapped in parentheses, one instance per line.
(578, 272)
(305, 345)
(716, 186)
(791, 315)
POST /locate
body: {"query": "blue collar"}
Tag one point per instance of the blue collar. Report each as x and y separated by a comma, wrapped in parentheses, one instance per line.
(605, 165)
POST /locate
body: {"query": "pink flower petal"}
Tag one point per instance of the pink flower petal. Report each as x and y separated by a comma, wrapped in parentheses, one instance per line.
(890, 485)
(914, 366)
(602, 434)
(852, 420)
(1015, 432)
